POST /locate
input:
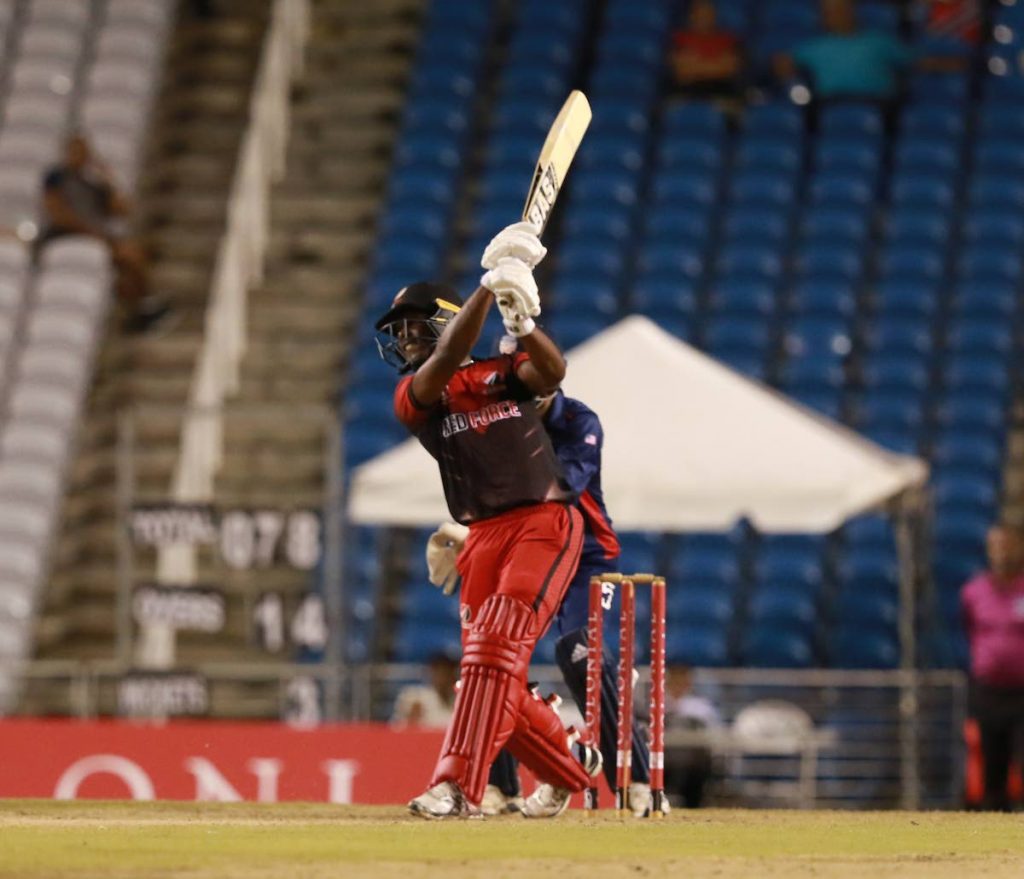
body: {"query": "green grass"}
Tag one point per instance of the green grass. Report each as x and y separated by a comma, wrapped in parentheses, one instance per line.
(115, 840)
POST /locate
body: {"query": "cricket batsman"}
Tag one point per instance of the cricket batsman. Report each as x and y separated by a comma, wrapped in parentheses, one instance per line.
(502, 479)
(577, 437)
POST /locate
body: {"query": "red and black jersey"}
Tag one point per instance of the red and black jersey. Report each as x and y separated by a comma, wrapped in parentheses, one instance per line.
(484, 432)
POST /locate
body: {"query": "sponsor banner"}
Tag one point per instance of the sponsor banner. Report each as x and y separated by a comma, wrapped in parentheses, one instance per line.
(219, 762)
(213, 761)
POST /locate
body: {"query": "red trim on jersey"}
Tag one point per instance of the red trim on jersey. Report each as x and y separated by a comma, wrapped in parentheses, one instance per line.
(600, 526)
(409, 410)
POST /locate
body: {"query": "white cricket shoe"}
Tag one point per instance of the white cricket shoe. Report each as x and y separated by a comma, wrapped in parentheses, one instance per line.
(496, 803)
(444, 800)
(639, 800)
(548, 801)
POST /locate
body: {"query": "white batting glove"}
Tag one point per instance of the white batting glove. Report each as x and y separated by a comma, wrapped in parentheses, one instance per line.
(516, 324)
(520, 240)
(511, 281)
(443, 547)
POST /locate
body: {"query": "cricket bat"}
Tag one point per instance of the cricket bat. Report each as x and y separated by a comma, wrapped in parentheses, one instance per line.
(555, 158)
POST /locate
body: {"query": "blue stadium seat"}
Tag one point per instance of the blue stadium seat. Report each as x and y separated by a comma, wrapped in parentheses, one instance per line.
(837, 262)
(771, 647)
(699, 605)
(838, 190)
(964, 492)
(921, 191)
(850, 121)
(756, 262)
(960, 532)
(792, 609)
(853, 647)
(995, 225)
(899, 335)
(697, 646)
(978, 373)
(895, 372)
(907, 298)
(621, 81)
(824, 297)
(813, 336)
(641, 551)
(663, 292)
(917, 227)
(988, 413)
(760, 188)
(932, 121)
(926, 155)
(738, 334)
(1000, 157)
(984, 300)
(572, 290)
(848, 223)
(719, 565)
(872, 532)
(858, 159)
(590, 257)
(680, 188)
(587, 223)
(690, 152)
(782, 120)
(811, 375)
(672, 260)
(998, 262)
(889, 410)
(612, 154)
(756, 225)
(684, 119)
(942, 89)
(570, 330)
(773, 156)
(795, 571)
(869, 568)
(669, 223)
(980, 336)
(994, 191)
(958, 448)
(746, 297)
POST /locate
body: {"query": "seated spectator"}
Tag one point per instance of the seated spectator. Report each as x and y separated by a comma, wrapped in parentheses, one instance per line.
(846, 63)
(81, 198)
(429, 705)
(949, 30)
(706, 61)
(687, 769)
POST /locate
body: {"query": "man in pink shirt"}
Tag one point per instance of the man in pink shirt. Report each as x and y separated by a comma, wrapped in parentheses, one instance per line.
(993, 611)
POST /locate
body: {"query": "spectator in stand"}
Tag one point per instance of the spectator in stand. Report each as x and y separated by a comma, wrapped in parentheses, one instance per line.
(706, 61)
(430, 705)
(993, 613)
(846, 64)
(688, 768)
(949, 30)
(80, 197)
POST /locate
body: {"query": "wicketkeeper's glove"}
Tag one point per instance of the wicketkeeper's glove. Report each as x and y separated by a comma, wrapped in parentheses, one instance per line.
(443, 547)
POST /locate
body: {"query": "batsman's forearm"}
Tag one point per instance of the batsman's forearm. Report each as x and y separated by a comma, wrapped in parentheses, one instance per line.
(545, 358)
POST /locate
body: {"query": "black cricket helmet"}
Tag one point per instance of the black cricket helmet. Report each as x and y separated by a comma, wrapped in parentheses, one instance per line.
(419, 312)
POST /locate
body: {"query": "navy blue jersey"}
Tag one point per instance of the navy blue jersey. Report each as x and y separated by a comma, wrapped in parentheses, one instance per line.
(577, 437)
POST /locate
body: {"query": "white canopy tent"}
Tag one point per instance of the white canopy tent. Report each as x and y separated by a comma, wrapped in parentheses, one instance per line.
(690, 445)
